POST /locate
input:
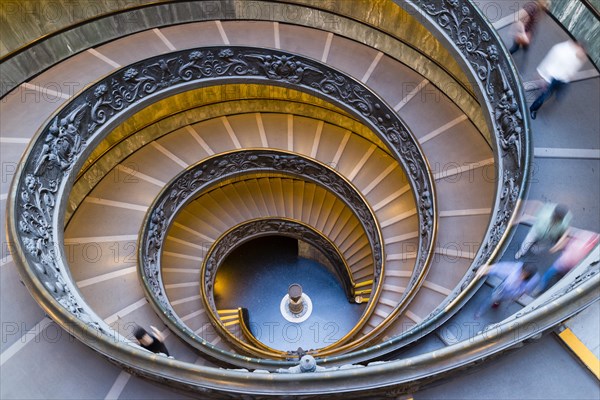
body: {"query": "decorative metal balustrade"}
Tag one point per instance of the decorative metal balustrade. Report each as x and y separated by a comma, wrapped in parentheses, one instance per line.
(39, 197)
(207, 174)
(253, 229)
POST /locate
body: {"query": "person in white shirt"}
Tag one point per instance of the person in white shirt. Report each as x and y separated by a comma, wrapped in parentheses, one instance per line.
(558, 68)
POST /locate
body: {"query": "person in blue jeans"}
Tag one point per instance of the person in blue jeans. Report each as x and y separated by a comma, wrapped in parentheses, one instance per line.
(558, 68)
(518, 278)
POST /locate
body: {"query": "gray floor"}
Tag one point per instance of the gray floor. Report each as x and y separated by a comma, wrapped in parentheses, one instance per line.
(545, 369)
(541, 370)
(258, 279)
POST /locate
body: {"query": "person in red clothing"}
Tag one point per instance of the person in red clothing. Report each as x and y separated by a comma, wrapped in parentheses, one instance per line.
(579, 245)
(523, 29)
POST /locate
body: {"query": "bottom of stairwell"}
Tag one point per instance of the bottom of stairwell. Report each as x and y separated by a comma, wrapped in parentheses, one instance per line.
(257, 276)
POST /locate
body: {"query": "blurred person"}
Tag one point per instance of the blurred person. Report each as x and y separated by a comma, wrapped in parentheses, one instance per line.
(151, 341)
(558, 68)
(523, 29)
(518, 278)
(550, 227)
(579, 245)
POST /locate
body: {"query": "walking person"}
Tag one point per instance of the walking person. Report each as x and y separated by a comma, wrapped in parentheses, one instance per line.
(518, 278)
(523, 29)
(550, 226)
(558, 68)
(579, 245)
(151, 341)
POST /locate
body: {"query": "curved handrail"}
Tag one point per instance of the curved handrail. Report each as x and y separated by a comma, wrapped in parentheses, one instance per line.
(243, 318)
(253, 346)
(241, 233)
(266, 226)
(43, 180)
(190, 183)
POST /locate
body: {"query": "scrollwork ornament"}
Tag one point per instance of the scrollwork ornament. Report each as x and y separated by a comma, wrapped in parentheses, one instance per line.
(63, 141)
(134, 84)
(471, 37)
(103, 106)
(509, 120)
(284, 67)
(35, 224)
(62, 144)
(204, 175)
(203, 64)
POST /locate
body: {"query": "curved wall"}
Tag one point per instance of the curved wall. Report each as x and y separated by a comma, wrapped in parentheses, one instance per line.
(400, 35)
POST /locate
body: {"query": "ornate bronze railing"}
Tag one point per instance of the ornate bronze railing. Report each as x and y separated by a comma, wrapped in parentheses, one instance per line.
(252, 229)
(147, 83)
(467, 34)
(38, 198)
(201, 177)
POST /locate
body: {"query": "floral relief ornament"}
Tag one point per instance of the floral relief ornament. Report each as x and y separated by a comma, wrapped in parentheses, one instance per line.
(65, 138)
(468, 35)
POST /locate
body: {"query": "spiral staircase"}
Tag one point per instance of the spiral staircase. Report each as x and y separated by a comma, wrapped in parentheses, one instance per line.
(148, 152)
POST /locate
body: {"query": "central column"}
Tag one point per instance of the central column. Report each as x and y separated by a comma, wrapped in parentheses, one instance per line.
(296, 305)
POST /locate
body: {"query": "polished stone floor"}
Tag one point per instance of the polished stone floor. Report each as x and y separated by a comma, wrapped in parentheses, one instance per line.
(257, 276)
